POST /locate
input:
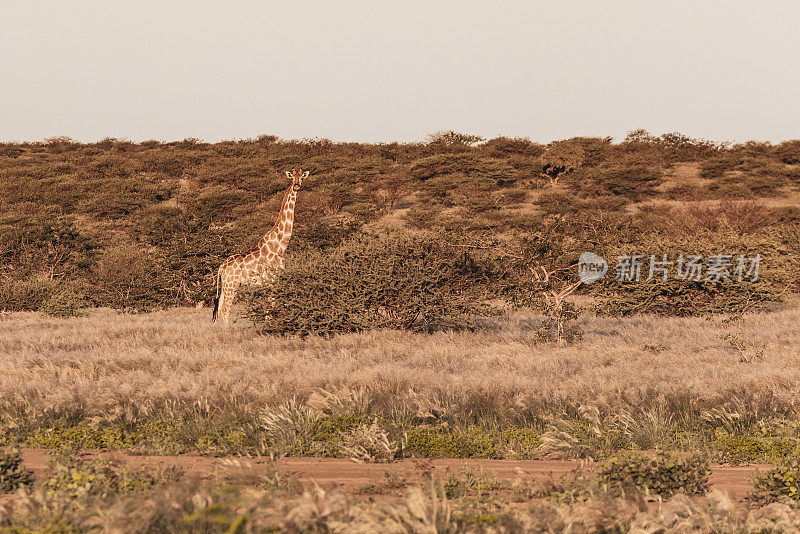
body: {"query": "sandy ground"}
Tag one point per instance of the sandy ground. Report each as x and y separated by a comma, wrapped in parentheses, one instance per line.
(353, 477)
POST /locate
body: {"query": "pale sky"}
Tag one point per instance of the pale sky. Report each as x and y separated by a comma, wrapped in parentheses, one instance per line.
(399, 70)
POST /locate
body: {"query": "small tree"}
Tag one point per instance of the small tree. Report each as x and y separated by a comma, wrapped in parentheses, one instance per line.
(560, 158)
(639, 135)
(450, 138)
(556, 309)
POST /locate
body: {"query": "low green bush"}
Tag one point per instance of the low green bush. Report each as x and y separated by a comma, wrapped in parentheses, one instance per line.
(778, 485)
(739, 448)
(40, 246)
(110, 198)
(223, 204)
(155, 436)
(468, 481)
(12, 473)
(511, 146)
(324, 236)
(77, 478)
(66, 301)
(664, 475)
(429, 442)
(789, 152)
(471, 442)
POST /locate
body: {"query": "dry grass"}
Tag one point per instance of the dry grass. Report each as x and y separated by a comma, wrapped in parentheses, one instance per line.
(107, 364)
(277, 506)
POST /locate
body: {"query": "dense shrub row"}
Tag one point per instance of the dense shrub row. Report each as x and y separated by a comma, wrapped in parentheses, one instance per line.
(141, 225)
(387, 281)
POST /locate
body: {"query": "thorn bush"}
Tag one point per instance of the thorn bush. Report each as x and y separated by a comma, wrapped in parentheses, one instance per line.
(395, 281)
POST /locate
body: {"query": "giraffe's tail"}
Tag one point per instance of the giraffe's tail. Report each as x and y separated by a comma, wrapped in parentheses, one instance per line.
(216, 298)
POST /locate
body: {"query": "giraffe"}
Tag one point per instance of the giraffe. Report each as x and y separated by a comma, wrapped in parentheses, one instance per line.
(259, 265)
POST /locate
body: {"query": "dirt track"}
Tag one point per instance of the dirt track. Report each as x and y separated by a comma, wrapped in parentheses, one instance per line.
(351, 476)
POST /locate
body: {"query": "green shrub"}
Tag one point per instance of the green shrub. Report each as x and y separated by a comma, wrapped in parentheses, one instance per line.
(467, 480)
(777, 485)
(430, 442)
(389, 281)
(77, 478)
(730, 190)
(26, 294)
(323, 236)
(759, 182)
(558, 202)
(168, 164)
(109, 198)
(719, 218)
(744, 448)
(450, 139)
(673, 146)
(595, 149)
(160, 223)
(663, 475)
(471, 442)
(12, 473)
(66, 301)
(189, 258)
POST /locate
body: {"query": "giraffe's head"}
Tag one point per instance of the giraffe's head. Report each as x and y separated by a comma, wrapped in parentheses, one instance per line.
(297, 178)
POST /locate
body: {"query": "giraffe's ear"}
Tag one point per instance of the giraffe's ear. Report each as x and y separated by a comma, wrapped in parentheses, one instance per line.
(305, 174)
(288, 174)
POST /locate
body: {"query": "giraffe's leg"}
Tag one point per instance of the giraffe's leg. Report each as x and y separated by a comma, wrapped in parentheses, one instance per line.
(218, 295)
(226, 301)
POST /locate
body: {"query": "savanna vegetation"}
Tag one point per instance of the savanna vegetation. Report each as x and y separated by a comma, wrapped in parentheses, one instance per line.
(429, 309)
(166, 383)
(79, 495)
(137, 226)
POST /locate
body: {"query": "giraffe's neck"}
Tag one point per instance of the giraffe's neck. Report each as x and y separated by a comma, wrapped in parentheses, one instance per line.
(277, 239)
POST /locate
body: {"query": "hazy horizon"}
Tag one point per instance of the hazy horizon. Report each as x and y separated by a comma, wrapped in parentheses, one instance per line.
(367, 72)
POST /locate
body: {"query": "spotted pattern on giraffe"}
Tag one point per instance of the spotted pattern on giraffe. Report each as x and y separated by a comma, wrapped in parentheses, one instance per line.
(260, 265)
